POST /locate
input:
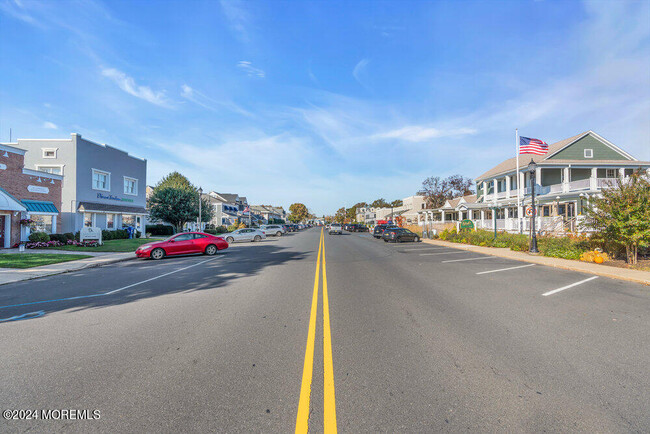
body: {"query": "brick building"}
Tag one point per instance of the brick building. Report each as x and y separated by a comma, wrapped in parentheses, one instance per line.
(26, 194)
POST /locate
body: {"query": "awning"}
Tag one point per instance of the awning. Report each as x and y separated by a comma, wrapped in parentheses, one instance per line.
(40, 206)
(109, 208)
(9, 203)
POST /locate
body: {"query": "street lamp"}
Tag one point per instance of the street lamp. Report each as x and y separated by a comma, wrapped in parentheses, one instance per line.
(532, 168)
(200, 193)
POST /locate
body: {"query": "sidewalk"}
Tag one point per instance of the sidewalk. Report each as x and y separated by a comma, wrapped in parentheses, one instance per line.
(637, 276)
(11, 275)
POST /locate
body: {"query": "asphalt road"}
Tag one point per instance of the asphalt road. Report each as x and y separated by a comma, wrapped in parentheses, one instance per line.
(419, 343)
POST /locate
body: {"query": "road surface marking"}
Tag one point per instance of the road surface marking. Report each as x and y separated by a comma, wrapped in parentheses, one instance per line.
(109, 292)
(505, 269)
(468, 259)
(329, 401)
(28, 315)
(302, 419)
(443, 253)
(425, 248)
(569, 286)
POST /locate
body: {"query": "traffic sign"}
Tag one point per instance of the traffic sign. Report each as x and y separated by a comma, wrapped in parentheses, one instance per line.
(529, 211)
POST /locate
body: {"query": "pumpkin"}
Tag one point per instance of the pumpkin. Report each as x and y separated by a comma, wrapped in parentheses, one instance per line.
(599, 259)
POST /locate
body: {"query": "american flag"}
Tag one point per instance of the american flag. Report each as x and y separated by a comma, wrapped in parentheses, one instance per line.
(247, 209)
(532, 146)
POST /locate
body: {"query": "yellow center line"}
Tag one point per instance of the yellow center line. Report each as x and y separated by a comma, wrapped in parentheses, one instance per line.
(302, 420)
(329, 402)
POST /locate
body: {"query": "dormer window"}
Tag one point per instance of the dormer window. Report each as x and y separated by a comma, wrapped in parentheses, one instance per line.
(49, 152)
(589, 153)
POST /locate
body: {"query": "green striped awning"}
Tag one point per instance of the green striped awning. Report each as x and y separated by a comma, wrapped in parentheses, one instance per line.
(37, 206)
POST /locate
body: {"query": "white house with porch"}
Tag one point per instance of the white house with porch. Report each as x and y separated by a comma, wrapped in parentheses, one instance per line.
(567, 177)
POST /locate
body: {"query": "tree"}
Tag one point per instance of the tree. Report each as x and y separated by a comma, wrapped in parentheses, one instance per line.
(622, 214)
(339, 217)
(176, 201)
(437, 190)
(397, 202)
(380, 203)
(299, 212)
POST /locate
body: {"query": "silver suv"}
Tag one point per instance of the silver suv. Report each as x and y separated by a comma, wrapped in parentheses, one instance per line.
(335, 228)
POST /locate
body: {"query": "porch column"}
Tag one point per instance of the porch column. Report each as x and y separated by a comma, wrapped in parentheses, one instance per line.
(508, 186)
(482, 215)
(621, 172)
(566, 179)
(443, 215)
(538, 175)
(521, 183)
(593, 183)
(495, 188)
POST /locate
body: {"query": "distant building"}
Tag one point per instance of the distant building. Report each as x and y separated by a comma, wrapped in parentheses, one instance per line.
(227, 208)
(103, 186)
(270, 212)
(26, 195)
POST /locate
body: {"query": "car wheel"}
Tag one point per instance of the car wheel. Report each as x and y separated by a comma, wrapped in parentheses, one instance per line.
(211, 250)
(257, 238)
(416, 239)
(230, 240)
(157, 254)
(278, 234)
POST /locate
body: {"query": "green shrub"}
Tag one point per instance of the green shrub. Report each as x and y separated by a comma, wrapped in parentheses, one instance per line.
(221, 229)
(211, 231)
(59, 237)
(107, 235)
(159, 229)
(120, 234)
(565, 247)
(232, 228)
(37, 237)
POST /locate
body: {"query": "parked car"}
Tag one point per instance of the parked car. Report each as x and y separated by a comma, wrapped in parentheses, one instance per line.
(399, 235)
(248, 234)
(182, 244)
(273, 230)
(335, 228)
(379, 230)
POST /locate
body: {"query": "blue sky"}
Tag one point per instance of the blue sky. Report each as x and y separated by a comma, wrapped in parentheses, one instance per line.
(325, 103)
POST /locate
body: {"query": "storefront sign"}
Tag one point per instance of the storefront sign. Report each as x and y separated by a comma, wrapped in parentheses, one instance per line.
(467, 224)
(90, 233)
(111, 197)
(38, 189)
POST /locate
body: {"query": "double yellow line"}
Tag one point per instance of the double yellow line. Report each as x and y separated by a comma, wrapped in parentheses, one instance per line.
(329, 406)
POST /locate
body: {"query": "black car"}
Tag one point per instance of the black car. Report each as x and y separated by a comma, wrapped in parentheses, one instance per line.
(358, 227)
(379, 230)
(399, 235)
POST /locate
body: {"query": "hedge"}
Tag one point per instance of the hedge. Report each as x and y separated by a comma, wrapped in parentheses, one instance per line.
(39, 237)
(569, 247)
(159, 229)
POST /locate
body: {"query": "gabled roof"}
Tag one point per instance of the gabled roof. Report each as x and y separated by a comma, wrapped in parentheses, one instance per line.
(510, 165)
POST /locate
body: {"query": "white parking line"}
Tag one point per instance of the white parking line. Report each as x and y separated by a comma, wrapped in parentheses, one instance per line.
(425, 248)
(442, 253)
(569, 286)
(505, 269)
(101, 294)
(468, 259)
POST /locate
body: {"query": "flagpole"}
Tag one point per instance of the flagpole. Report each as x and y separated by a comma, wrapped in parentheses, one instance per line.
(518, 181)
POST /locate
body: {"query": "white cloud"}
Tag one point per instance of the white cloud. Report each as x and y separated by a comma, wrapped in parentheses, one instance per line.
(238, 17)
(416, 133)
(359, 71)
(206, 102)
(50, 125)
(128, 85)
(250, 70)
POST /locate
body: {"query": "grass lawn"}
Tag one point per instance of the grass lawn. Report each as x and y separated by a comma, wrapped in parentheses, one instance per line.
(111, 246)
(29, 260)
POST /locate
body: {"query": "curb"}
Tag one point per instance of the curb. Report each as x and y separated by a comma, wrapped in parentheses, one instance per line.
(565, 264)
(83, 267)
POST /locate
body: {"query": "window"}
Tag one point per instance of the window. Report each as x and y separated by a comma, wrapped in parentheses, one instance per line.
(130, 186)
(101, 180)
(184, 237)
(42, 223)
(49, 152)
(610, 173)
(110, 221)
(88, 219)
(128, 220)
(589, 153)
(56, 170)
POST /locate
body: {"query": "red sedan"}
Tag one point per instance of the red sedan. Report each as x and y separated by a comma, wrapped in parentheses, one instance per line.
(182, 244)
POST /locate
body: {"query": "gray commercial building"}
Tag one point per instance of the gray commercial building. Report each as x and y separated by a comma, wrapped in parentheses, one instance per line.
(103, 186)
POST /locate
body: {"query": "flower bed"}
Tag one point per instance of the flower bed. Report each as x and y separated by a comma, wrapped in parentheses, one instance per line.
(55, 243)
